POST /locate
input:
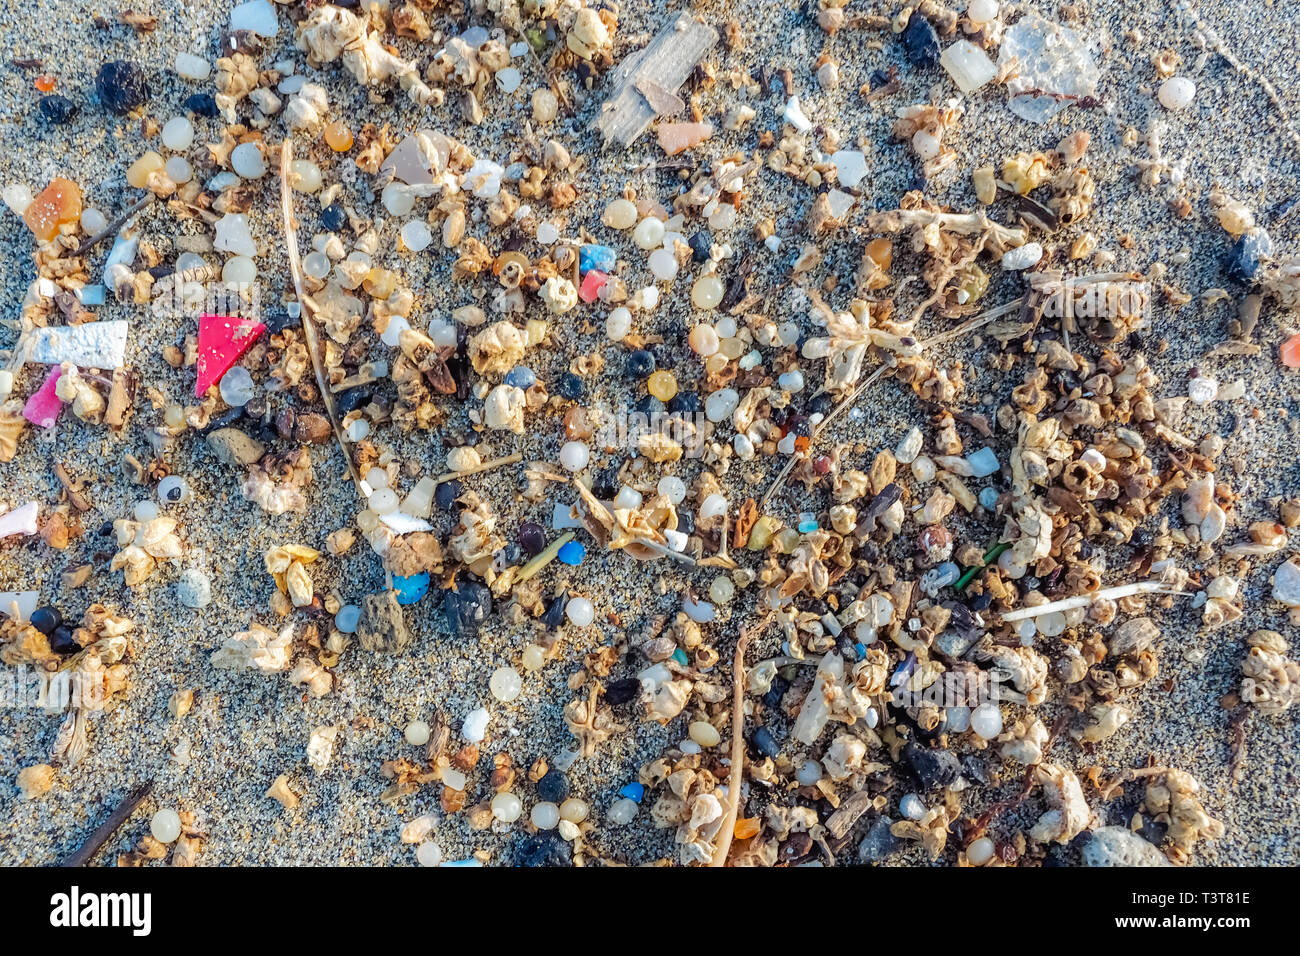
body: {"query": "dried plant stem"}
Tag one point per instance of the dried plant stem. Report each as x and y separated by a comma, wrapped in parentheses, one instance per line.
(304, 302)
(970, 325)
(737, 745)
(1083, 600)
(665, 552)
(1128, 776)
(114, 226)
(544, 557)
(485, 466)
(86, 852)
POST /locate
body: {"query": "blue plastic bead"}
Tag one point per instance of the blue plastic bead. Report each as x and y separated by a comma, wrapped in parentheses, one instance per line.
(807, 523)
(633, 791)
(766, 743)
(591, 256)
(410, 589)
(570, 386)
(572, 553)
(521, 377)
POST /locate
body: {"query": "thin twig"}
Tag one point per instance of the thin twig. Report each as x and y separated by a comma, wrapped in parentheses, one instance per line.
(483, 466)
(970, 325)
(664, 551)
(1083, 600)
(113, 227)
(544, 557)
(737, 745)
(304, 304)
(86, 852)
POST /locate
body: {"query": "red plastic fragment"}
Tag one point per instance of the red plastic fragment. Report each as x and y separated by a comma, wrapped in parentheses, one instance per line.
(592, 283)
(222, 340)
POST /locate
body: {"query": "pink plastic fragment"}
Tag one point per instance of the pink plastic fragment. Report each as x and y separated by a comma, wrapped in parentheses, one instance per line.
(222, 340)
(43, 407)
(19, 521)
(676, 137)
(592, 283)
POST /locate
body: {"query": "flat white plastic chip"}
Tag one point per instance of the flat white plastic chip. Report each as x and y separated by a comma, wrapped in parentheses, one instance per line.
(89, 345)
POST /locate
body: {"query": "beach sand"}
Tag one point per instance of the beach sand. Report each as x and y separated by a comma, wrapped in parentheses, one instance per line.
(246, 728)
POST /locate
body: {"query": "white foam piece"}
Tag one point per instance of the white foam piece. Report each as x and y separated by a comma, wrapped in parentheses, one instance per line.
(89, 345)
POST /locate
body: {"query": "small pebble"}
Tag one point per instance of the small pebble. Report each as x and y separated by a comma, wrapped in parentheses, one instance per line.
(553, 787)
(121, 86)
(57, 109)
(1022, 257)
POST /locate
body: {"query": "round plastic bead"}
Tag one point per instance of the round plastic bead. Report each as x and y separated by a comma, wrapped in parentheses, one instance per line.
(507, 807)
(707, 292)
(165, 826)
(417, 733)
(580, 612)
(505, 684)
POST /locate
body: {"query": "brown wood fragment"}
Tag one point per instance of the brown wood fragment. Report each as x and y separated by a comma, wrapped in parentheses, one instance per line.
(119, 400)
(73, 486)
(839, 823)
(663, 66)
(86, 852)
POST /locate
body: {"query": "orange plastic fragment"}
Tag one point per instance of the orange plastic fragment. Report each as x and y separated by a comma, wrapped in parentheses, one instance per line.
(675, 137)
(746, 827)
(45, 83)
(1290, 351)
(57, 203)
